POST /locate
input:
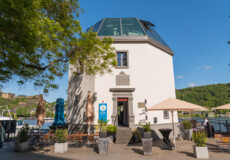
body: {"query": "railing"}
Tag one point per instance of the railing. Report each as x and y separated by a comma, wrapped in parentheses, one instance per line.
(220, 125)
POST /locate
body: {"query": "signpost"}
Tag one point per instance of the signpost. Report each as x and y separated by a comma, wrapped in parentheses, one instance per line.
(103, 111)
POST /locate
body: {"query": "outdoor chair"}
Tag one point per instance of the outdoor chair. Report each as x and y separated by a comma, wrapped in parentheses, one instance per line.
(80, 140)
(223, 144)
(217, 137)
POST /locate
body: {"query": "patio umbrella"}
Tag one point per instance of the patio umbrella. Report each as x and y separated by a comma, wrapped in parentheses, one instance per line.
(226, 106)
(89, 112)
(173, 104)
(40, 111)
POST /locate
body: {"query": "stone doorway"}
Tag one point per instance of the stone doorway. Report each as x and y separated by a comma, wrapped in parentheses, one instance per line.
(118, 95)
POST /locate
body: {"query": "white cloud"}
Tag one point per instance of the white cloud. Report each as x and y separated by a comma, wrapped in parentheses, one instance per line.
(179, 77)
(207, 67)
(191, 84)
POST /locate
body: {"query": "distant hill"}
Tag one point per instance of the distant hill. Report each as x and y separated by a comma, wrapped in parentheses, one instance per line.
(209, 96)
(23, 105)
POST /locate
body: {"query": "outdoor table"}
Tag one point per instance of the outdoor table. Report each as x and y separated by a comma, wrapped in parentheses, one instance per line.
(165, 133)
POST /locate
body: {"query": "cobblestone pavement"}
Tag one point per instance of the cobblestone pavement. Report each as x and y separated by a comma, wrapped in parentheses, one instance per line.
(116, 152)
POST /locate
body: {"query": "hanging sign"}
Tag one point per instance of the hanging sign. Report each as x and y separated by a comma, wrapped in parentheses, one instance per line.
(103, 111)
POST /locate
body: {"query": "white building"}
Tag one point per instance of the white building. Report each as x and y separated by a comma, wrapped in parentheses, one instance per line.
(144, 73)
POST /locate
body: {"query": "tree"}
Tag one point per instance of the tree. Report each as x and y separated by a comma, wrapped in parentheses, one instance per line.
(38, 38)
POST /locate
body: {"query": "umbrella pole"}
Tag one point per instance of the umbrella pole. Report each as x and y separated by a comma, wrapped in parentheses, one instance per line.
(174, 140)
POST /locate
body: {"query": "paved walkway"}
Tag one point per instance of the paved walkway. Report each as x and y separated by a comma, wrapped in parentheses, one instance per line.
(116, 152)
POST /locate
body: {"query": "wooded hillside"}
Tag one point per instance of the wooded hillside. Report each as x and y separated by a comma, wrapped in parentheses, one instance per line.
(208, 96)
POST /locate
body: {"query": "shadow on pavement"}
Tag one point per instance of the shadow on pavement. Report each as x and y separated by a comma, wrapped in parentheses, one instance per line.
(139, 151)
(187, 153)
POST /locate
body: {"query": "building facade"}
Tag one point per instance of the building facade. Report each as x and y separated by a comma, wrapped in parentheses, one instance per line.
(144, 77)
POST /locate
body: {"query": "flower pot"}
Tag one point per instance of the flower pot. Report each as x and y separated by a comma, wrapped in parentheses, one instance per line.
(111, 138)
(103, 144)
(201, 152)
(188, 134)
(102, 134)
(147, 146)
(21, 146)
(60, 147)
(147, 134)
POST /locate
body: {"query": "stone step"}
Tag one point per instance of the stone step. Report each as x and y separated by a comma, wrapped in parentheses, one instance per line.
(123, 135)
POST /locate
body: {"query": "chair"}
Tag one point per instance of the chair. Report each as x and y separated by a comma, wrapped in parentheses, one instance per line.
(79, 139)
(224, 144)
(217, 137)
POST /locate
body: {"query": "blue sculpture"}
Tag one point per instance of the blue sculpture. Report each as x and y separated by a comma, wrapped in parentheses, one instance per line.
(59, 113)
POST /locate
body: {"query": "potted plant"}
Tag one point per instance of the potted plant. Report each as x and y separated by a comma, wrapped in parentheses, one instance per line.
(147, 130)
(103, 142)
(136, 136)
(187, 129)
(103, 128)
(200, 150)
(112, 130)
(23, 139)
(61, 144)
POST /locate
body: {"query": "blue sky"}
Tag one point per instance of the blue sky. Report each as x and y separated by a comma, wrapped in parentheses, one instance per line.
(196, 30)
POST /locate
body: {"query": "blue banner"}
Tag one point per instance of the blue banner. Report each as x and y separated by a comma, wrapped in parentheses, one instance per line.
(103, 111)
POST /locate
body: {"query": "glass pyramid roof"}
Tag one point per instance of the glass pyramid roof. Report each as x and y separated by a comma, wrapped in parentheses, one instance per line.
(126, 27)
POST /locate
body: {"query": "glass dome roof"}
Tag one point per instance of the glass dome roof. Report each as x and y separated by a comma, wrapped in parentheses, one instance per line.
(126, 27)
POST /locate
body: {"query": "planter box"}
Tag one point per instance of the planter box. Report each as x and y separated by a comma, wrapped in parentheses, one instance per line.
(147, 146)
(188, 134)
(60, 147)
(102, 134)
(21, 146)
(103, 144)
(201, 152)
(147, 134)
(111, 138)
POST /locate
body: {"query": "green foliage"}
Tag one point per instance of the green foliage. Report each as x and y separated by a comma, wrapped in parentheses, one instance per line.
(187, 124)
(39, 37)
(135, 132)
(199, 138)
(61, 135)
(111, 129)
(22, 111)
(209, 96)
(102, 125)
(147, 127)
(23, 134)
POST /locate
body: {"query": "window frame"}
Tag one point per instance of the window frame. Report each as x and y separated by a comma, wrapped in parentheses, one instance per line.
(127, 53)
(165, 117)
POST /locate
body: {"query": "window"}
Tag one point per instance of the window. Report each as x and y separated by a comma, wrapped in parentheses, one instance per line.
(166, 114)
(122, 60)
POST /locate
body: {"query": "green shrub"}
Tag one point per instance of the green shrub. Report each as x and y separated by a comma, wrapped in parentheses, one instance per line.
(111, 129)
(102, 125)
(199, 138)
(61, 135)
(146, 127)
(23, 133)
(187, 124)
(135, 132)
